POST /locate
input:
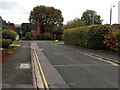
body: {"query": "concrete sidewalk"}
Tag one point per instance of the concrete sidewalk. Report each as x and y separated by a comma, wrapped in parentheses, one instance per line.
(17, 72)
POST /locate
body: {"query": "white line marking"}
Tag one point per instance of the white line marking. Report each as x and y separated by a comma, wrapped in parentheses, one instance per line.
(25, 66)
(114, 64)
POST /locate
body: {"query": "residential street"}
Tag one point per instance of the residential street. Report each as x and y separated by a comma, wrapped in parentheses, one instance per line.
(79, 70)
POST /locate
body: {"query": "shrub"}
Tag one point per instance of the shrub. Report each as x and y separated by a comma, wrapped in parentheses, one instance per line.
(118, 35)
(39, 37)
(9, 34)
(87, 36)
(59, 37)
(112, 40)
(46, 37)
(50, 38)
(6, 43)
(43, 36)
(96, 37)
(28, 36)
(118, 40)
(5, 27)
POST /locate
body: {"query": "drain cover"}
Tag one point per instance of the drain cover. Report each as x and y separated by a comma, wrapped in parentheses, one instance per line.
(24, 66)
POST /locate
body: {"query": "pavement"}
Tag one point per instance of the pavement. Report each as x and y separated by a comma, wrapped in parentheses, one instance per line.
(79, 70)
(17, 71)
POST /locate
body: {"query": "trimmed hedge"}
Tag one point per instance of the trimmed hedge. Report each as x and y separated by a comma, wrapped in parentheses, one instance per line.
(9, 34)
(6, 43)
(88, 36)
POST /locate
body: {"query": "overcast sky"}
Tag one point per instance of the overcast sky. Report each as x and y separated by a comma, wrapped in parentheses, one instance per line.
(17, 11)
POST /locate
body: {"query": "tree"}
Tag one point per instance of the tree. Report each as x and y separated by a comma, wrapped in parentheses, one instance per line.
(47, 17)
(75, 23)
(90, 17)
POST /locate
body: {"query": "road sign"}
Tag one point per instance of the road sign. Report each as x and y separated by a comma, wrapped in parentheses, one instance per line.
(20, 31)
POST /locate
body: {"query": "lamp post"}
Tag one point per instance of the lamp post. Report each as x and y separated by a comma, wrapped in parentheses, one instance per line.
(111, 13)
(119, 12)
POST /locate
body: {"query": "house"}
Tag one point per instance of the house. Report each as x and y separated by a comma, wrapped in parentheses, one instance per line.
(29, 27)
(12, 25)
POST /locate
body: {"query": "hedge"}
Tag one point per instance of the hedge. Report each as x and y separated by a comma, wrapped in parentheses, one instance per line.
(6, 42)
(38, 37)
(87, 36)
(9, 34)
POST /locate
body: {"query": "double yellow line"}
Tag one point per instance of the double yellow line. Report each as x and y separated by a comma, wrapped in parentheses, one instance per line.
(41, 70)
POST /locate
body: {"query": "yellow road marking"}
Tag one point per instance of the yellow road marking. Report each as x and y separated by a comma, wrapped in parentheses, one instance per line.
(42, 73)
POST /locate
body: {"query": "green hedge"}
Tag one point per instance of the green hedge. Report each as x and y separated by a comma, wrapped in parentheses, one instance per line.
(28, 36)
(46, 37)
(118, 35)
(9, 34)
(38, 37)
(6, 43)
(88, 36)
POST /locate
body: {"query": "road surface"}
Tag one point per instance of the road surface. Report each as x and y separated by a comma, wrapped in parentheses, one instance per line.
(79, 70)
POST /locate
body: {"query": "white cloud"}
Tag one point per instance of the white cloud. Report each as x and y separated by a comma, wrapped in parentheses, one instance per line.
(18, 10)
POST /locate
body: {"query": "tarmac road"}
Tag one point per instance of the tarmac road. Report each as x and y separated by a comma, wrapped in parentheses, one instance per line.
(79, 70)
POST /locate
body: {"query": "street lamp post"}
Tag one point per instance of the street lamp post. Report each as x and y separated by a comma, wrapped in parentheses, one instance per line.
(111, 13)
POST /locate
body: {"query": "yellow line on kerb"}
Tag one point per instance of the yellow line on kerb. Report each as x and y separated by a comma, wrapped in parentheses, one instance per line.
(41, 70)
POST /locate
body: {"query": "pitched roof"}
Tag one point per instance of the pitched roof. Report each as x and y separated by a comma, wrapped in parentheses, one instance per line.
(29, 25)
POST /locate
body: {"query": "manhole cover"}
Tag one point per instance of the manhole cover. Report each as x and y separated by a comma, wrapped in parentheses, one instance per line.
(24, 66)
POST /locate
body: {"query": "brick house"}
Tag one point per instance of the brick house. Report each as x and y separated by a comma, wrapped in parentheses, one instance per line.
(12, 25)
(29, 27)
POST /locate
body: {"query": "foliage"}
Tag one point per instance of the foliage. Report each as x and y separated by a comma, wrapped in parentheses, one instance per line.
(49, 18)
(46, 37)
(87, 36)
(9, 34)
(75, 23)
(59, 37)
(28, 36)
(96, 36)
(112, 39)
(6, 43)
(5, 27)
(16, 42)
(90, 17)
(116, 26)
(38, 37)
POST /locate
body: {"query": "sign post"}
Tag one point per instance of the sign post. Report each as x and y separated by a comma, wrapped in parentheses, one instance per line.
(21, 31)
